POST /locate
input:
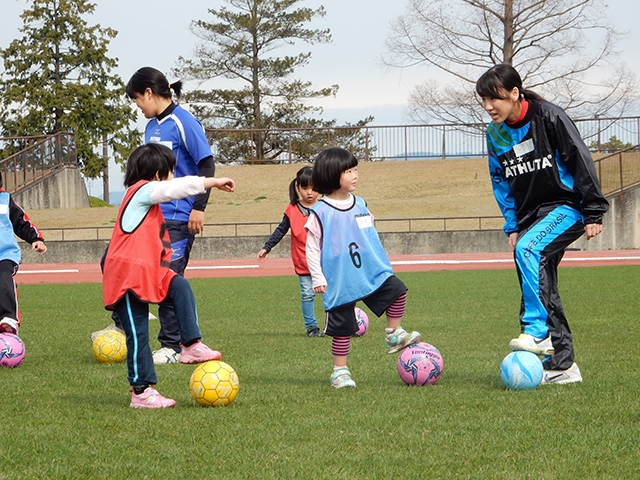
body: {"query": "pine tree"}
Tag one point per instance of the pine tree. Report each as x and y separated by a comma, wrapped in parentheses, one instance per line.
(58, 78)
(238, 46)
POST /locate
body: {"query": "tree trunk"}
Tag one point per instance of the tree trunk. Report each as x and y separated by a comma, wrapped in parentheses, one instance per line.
(105, 171)
(508, 32)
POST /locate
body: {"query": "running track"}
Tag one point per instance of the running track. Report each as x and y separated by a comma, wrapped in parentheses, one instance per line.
(250, 267)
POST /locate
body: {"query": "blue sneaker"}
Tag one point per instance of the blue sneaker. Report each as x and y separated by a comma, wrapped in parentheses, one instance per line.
(400, 339)
(342, 378)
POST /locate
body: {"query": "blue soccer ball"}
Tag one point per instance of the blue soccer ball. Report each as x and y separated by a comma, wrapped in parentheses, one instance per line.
(521, 371)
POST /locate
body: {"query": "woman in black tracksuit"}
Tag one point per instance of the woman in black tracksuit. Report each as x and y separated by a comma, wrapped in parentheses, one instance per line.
(545, 183)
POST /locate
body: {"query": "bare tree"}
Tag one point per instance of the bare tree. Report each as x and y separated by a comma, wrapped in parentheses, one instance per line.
(563, 49)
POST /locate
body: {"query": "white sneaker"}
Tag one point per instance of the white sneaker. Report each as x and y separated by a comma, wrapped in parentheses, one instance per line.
(399, 339)
(110, 328)
(165, 355)
(342, 378)
(529, 343)
(560, 377)
(9, 325)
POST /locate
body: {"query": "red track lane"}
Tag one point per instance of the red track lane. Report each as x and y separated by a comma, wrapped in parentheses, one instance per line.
(250, 267)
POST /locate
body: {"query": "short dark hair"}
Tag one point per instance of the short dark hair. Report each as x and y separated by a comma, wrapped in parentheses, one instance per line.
(303, 179)
(146, 161)
(149, 77)
(499, 80)
(328, 167)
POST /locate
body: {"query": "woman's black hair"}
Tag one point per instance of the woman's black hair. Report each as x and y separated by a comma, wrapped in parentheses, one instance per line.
(303, 179)
(501, 79)
(149, 77)
(146, 161)
(328, 168)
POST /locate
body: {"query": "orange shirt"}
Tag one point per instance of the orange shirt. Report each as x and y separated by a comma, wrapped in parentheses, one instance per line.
(138, 261)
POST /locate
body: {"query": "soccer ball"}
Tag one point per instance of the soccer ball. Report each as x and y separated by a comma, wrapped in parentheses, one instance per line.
(110, 347)
(363, 322)
(521, 371)
(420, 364)
(214, 384)
(11, 350)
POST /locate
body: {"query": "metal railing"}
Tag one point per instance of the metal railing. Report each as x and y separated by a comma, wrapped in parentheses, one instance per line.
(35, 158)
(251, 229)
(619, 171)
(385, 143)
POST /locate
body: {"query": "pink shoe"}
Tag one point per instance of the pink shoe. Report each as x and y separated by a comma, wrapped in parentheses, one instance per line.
(9, 325)
(198, 353)
(150, 398)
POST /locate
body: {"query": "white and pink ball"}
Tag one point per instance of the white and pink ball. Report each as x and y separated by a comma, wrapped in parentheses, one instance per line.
(11, 350)
(363, 322)
(420, 364)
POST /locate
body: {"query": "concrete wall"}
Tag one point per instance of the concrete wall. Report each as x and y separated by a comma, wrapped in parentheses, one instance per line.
(621, 225)
(621, 231)
(63, 189)
(248, 247)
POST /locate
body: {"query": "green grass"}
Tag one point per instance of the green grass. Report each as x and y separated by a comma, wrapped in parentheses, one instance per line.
(66, 416)
(96, 202)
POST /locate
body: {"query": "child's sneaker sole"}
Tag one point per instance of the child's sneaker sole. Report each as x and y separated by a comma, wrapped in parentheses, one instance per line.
(412, 338)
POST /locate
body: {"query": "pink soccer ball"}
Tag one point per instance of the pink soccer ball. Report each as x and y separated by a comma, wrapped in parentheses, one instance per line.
(363, 322)
(420, 364)
(11, 350)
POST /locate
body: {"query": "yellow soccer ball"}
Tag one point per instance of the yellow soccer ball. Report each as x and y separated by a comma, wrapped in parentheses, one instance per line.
(214, 384)
(110, 347)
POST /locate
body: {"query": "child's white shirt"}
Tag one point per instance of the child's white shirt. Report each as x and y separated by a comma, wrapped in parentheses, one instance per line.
(159, 192)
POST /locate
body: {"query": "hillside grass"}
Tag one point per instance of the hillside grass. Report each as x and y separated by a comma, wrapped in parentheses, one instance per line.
(410, 189)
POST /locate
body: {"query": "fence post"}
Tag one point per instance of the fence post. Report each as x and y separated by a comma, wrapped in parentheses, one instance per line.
(366, 144)
(406, 146)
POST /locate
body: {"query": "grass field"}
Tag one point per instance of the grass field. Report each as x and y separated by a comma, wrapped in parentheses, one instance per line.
(67, 417)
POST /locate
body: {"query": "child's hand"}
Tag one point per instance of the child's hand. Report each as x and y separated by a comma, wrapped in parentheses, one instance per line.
(226, 184)
(39, 246)
(320, 289)
(261, 255)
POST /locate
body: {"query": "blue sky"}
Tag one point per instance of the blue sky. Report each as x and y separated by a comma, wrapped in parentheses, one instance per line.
(156, 33)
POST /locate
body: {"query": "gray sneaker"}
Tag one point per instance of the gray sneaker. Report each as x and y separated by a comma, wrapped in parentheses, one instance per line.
(560, 377)
(165, 355)
(342, 378)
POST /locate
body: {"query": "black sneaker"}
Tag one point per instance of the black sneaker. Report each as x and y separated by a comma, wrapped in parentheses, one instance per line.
(314, 332)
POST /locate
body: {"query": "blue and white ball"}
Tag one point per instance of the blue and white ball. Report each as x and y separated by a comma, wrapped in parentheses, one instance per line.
(521, 371)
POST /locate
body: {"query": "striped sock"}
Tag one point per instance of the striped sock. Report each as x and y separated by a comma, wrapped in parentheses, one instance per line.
(396, 309)
(340, 346)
